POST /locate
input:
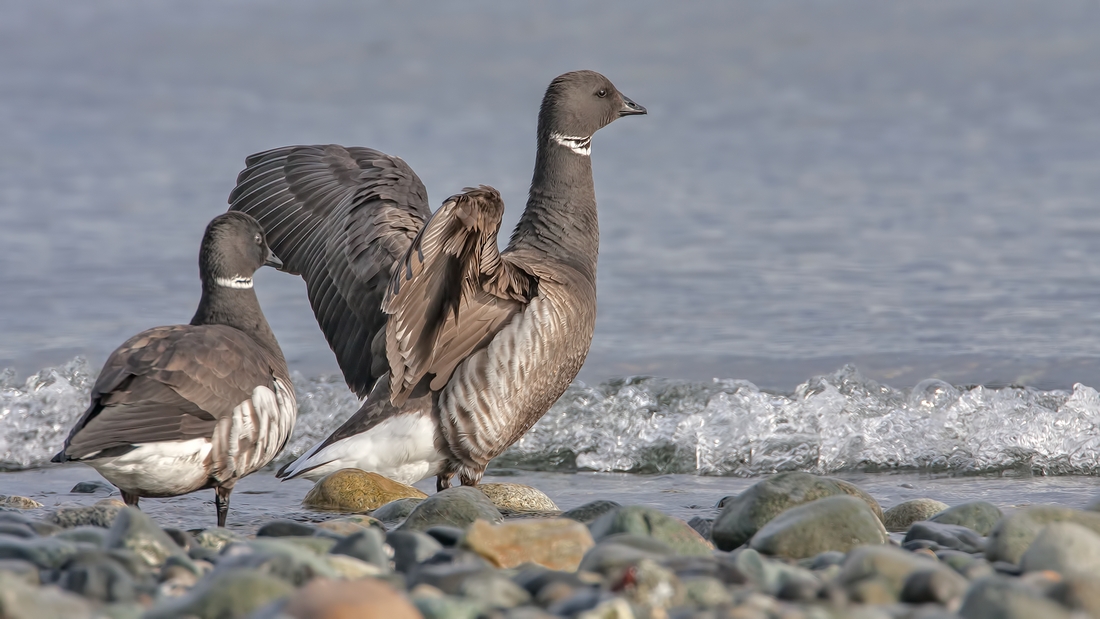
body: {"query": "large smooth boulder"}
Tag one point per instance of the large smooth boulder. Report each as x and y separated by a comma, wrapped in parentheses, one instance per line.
(355, 490)
(743, 515)
(833, 523)
(558, 544)
(455, 507)
(1013, 534)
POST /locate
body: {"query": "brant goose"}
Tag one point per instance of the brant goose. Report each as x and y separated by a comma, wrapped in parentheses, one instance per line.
(458, 347)
(186, 407)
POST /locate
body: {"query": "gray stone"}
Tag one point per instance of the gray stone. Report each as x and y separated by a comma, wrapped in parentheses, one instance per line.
(277, 556)
(18, 600)
(937, 586)
(1013, 534)
(396, 510)
(705, 592)
(133, 530)
(969, 566)
(833, 523)
(648, 522)
(448, 607)
(449, 537)
(997, 597)
(318, 545)
(494, 589)
(98, 577)
(45, 552)
(899, 517)
(951, 536)
(411, 548)
(977, 516)
(23, 570)
(891, 564)
(589, 512)
(87, 534)
(285, 528)
(14, 529)
(746, 565)
(702, 526)
(1064, 547)
(743, 515)
(367, 545)
(456, 507)
(92, 487)
(618, 552)
(1079, 593)
(94, 515)
(237, 593)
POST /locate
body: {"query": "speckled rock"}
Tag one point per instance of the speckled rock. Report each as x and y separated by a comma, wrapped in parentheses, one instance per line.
(977, 516)
(396, 510)
(899, 517)
(235, 593)
(998, 597)
(101, 514)
(517, 498)
(558, 544)
(455, 507)
(833, 523)
(1064, 547)
(362, 599)
(743, 515)
(135, 531)
(589, 512)
(1013, 534)
(649, 522)
(18, 502)
(355, 490)
(215, 538)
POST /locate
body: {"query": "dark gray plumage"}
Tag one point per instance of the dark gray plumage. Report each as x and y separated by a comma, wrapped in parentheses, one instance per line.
(458, 347)
(181, 408)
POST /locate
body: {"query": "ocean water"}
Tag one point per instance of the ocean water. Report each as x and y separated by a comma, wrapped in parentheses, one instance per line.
(850, 237)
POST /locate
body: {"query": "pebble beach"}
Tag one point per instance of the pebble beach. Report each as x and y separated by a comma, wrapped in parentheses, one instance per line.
(792, 545)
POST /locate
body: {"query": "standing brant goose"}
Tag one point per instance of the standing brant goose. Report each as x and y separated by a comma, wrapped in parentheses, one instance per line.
(458, 347)
(182, 408)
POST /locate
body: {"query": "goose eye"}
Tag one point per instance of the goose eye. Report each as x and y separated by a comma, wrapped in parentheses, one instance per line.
(259, 239)
(602, 93)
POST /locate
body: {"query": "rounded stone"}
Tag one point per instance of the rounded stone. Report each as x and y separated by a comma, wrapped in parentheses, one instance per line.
(396, 510)
(950, 536)
(977, 516)
(1013, 534)
(366, 545)
(456, 507)
(91, 515)
(348, 525)
(998, 597)
(649, 522)
(559, 544)
(589, 512)
(366, 598)
(518, 497)
(19, 600)
(743, 515)
(92, 487)
(832, 523)
(135, 531)
(18, 502)
(1064, 547)
(899, 517)
(285, 528)
(355, 490)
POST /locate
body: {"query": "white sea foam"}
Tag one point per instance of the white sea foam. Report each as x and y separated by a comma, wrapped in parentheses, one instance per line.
(831, 423)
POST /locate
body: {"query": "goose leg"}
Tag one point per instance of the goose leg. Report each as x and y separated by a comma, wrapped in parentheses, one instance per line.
(471, 478)
(221, 502)
(443, 481)
(129, 498)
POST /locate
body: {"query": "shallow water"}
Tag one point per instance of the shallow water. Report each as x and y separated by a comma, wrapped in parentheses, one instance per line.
(261, 497)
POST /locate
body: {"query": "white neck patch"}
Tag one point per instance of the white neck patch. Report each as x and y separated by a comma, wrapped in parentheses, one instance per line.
(237, 281)
(581, 146)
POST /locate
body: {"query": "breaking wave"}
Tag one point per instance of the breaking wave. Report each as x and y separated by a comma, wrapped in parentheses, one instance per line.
(838, 422)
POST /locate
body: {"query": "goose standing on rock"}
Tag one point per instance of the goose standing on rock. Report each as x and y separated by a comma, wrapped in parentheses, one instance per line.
(458, 347)
(182, 408)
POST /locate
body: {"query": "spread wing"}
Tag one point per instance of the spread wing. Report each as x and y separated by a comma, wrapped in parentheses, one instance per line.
(168, 384)
(451, 293)
(340, 217)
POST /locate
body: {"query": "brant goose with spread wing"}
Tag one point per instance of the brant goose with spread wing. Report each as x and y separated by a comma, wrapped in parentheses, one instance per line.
(186, 407)
(459, 348)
